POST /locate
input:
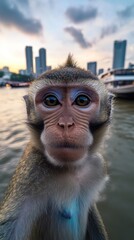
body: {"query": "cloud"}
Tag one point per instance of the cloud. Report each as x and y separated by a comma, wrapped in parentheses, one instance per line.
(10, 15)
(78, 15)
(80, 39)
(78, 36)
(24, 2)
(126, 13)
(108, 31)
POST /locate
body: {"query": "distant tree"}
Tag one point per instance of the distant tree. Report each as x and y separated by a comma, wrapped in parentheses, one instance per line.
(21, 78)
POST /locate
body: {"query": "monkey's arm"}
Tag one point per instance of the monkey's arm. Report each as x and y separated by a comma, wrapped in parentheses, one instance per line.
(95, 226)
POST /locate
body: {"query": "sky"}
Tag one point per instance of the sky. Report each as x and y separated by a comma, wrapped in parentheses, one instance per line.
(84, 28)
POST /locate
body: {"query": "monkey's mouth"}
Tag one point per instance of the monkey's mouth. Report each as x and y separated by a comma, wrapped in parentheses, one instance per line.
(66, 151)
(66, 144)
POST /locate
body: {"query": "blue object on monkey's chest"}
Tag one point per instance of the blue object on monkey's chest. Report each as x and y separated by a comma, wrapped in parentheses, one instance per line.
(70, 216)
(65, 213)
(70, 211)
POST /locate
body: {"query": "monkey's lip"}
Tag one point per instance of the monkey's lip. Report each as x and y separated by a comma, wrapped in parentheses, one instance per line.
(66, 152)
(66, 145)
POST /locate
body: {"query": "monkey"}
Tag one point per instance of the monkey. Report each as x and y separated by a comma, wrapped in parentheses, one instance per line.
(53, 192)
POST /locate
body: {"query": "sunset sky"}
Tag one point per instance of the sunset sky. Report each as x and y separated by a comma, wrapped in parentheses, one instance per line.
(85, 28)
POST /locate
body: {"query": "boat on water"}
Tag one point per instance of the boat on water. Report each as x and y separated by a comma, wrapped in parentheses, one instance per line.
(19, 84)
(119, 82)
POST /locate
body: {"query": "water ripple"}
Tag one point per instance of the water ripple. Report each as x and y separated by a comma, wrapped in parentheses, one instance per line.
(118, 150)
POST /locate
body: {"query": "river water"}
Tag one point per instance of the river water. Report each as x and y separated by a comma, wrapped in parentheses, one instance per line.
(117, 202)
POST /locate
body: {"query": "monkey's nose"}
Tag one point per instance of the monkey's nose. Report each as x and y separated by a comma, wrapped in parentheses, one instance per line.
(65, 123)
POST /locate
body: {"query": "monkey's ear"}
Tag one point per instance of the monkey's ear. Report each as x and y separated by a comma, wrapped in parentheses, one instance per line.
(28, 104)
(111, 97)
(110, 102)
(32, 115)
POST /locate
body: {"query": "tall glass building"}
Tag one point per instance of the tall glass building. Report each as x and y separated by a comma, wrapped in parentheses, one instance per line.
(42, 56)
(37, 65)
(119, 54)
(29, 59)
(92, 66)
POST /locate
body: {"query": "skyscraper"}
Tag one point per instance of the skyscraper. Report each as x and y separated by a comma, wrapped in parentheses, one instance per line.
(42, 55)
(92, 66)
(29, 59)
(100, 71)
(37, 66)
(49, 68)
(119, 54)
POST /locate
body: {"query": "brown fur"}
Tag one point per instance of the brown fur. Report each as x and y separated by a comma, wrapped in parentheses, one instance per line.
(39, 191)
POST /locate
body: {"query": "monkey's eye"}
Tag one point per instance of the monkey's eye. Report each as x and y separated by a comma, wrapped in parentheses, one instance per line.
(82, 100)
(51, 101)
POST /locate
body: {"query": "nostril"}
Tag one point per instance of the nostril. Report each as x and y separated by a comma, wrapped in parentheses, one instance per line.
(70, 124)
(62, 125)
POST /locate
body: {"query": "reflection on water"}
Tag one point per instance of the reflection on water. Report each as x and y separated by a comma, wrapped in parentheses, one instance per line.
(13, 133)
(117, 208)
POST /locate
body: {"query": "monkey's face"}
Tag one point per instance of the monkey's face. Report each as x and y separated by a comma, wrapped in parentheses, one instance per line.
(67, 111)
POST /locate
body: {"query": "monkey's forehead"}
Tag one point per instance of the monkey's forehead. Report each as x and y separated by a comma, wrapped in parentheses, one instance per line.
(68, 74)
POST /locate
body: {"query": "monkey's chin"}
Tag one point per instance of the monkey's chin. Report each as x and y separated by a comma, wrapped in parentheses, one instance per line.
(66, 155)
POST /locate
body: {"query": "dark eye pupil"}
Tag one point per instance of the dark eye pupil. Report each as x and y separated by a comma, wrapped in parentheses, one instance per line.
(51, 101)
(82, 100)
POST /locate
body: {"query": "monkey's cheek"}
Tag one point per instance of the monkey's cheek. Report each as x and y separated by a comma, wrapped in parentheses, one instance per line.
(66, 154)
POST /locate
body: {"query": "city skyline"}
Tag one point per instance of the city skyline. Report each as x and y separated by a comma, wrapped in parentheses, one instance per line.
(86, 29)
(40, 66)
